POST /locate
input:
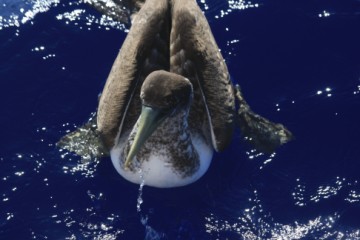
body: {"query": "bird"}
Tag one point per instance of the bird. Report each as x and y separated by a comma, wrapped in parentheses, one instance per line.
(169, 103)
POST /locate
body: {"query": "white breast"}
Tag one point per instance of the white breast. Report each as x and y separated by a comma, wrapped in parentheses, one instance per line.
(156, 172)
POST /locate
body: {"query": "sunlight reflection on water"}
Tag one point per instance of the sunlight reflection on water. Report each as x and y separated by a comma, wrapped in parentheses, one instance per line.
(17, 12)
(253, 222)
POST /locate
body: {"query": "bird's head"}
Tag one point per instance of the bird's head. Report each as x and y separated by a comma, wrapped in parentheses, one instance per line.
(162, 94)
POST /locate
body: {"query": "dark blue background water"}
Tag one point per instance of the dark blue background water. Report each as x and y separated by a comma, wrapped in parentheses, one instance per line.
(297, 62)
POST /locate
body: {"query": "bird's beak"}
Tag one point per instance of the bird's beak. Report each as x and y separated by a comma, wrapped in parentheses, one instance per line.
(150, 119)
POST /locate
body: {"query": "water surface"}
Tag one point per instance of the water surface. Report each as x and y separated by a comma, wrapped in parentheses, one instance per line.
(297, 63)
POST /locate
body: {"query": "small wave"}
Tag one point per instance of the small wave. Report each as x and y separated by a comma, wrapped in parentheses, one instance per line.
(17, 12)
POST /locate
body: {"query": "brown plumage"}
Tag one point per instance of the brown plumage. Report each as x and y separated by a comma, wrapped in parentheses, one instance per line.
(168, 101)
(190, 51)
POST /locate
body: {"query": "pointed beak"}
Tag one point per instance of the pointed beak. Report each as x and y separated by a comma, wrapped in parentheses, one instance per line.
(150, 119)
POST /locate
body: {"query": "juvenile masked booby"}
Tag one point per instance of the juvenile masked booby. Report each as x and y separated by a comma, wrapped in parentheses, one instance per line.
(168, 102)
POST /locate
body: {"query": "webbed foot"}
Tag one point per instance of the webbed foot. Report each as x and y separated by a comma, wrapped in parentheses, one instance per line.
(84, 141)
(265, 135)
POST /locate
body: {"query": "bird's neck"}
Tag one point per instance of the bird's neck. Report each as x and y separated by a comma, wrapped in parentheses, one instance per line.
(173, 140)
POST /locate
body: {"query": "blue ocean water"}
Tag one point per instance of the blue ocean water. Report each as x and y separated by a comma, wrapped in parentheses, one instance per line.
(297, 63)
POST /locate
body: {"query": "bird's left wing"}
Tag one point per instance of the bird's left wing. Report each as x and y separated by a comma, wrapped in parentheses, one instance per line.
(195, 54)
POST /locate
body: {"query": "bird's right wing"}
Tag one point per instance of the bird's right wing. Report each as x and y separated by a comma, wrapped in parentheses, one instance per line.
(144, 50)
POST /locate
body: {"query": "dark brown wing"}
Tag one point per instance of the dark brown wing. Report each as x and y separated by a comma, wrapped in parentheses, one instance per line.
(144, 50)
(195, 54)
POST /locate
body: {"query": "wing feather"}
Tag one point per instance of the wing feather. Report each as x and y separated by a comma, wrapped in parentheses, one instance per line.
(141, 53)
(192, 36)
